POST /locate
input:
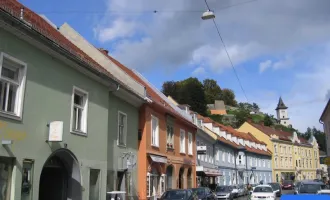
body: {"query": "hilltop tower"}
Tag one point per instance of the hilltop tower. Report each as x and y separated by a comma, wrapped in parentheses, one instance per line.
(282, 113)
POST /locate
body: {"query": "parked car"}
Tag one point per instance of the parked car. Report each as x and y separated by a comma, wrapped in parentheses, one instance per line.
(241, 190)
(235, 191)
(263, 192)
(276, 188)
(254, 186)
(204, 193)
(287, 185)
(309, 187)
(224, 192)
(186, 194)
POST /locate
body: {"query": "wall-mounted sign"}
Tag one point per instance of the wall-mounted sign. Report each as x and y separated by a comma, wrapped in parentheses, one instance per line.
(201, 150)
(55, 131)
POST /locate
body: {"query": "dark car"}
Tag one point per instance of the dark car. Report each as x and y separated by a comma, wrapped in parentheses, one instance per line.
(287, 185)
(178, 195)
(309, 187)
(224, 192)
(204, 193)
(276, 188)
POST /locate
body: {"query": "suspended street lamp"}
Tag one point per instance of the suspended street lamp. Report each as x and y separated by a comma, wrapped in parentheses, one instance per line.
(208, 15)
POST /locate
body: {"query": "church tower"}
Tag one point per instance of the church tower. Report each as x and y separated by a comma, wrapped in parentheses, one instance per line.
(282, 113)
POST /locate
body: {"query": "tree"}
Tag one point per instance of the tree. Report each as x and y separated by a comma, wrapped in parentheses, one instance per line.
(268, 120)
(255, 107)
(228, 97)
(319, 136)
(191, 92)
(241, 115)
(212, 91)
(170, 88)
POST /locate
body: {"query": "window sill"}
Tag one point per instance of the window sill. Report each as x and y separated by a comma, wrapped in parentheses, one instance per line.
(184, 153)
(170, 149)
(190, 154)
(154, 146)
(10, 116)
(121, 145)
(80, 133)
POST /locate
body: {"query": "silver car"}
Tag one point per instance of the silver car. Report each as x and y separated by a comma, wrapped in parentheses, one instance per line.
(224, 192)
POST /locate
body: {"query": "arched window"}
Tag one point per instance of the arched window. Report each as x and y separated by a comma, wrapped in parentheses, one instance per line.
(189, 178)
(169, 177)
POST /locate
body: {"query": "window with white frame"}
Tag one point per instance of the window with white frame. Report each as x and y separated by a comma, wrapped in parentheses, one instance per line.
(228, 156)
(154, 131)
(250, 161)
(217, 156)
(122, 128)
(12, 85)
(182, 141)
(190, 143)
(79, 111)
(264, 162)
(170, 137)
(232, 158)
(223, 156)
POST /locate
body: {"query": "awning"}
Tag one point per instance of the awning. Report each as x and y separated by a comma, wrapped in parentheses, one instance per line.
(159, 159)
(204, 171)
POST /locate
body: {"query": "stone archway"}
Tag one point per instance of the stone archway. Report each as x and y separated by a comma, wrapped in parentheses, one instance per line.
(60, 177)
(189, 178)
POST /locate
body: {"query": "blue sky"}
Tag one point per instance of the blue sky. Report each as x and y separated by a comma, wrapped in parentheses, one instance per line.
(279, 48)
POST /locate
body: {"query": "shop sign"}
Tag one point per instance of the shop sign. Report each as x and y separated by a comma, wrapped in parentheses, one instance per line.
(187, 161)
(55, 131)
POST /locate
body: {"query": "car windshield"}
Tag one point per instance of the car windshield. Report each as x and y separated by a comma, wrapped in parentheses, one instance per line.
(223, 189)
(198, 191)
(175, 194)
(309, 188)
(263, 189)
(275, 186)
(287, 182)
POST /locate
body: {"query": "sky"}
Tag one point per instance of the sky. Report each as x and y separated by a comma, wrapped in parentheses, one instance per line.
(278, 47)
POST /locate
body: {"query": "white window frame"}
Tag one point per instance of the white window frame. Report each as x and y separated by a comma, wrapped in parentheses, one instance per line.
(124, 130)
(182, 141)
(217, 157)
(156, 136)
(19, 101)
(190, 143)
(228, 157)
(76, 90)
(170, 136)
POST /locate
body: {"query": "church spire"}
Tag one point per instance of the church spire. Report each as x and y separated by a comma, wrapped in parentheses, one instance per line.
(281, 104)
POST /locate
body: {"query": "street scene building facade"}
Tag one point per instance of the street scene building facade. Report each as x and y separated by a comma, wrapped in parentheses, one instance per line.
(293, 157)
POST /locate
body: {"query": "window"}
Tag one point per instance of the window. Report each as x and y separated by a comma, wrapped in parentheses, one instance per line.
(12, 84)
(27, 179)
(228, 156)
(217, 155)
(223, 156)
(275, 148)
(240, 159)
(250, 161)
(155, 131)
(198, 155)
(276, 162)
(190, 144)
(182, 141)
(79, 111)
(122, 129)
(264, 161)
(199, 123)
(94, 184)
(170, 137)
(233, 158)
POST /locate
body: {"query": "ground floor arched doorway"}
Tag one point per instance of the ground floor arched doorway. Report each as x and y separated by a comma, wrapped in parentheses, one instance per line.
(60, 177)
(189, 178)
(169, 177)
(181, 179)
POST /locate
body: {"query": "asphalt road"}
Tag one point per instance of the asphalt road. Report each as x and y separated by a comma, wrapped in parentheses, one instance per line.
(278, 198)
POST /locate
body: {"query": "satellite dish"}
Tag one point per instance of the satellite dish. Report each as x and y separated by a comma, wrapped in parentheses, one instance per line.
(208, 15)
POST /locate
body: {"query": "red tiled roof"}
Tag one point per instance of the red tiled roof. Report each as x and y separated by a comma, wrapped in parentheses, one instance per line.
(150, 91)
(282, 135)
(44, 28)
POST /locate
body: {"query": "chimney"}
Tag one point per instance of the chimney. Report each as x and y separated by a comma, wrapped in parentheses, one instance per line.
(104, 51)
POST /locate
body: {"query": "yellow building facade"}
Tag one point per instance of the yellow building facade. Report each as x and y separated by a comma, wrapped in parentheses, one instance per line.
(292, 156)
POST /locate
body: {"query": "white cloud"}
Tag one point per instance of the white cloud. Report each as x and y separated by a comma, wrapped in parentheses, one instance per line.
(265, 65)
(198, 71)
(118, 29)
(176, 32)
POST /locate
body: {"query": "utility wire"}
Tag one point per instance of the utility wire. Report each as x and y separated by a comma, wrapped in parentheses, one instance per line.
(229, 58)
(98, 12)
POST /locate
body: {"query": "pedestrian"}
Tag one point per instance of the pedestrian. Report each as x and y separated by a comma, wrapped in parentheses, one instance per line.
(249, 188)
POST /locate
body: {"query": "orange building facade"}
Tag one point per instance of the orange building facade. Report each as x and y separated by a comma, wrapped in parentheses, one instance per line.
(166, 161)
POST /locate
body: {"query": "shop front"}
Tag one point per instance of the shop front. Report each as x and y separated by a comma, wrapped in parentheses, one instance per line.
(207, 177)
(156, 176)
